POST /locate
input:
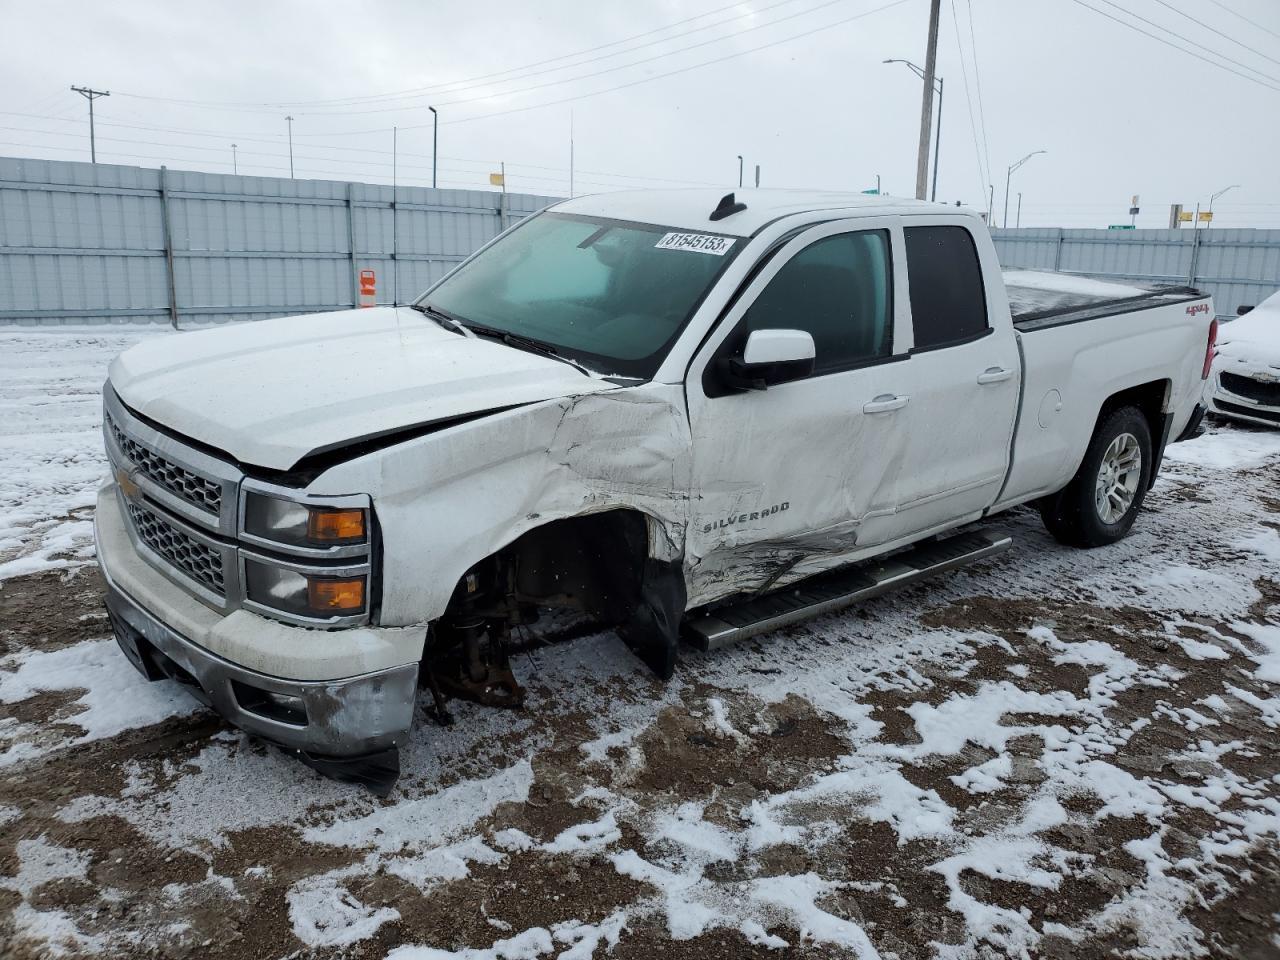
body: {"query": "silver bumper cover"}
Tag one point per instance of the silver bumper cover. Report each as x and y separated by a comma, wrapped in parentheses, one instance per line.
(328, 722)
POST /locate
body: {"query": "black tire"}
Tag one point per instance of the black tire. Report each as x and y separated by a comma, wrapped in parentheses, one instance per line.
(1072, 515)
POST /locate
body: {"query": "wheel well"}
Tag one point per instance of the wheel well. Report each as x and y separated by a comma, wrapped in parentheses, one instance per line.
(593, 563)
(1150, 400)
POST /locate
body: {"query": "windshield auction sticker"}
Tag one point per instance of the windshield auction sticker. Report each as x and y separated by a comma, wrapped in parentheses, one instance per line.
(697, 242)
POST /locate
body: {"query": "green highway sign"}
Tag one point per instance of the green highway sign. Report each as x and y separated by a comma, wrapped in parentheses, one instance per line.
(1121, 226)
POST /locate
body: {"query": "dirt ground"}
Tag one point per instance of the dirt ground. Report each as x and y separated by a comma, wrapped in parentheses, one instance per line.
(182, 838)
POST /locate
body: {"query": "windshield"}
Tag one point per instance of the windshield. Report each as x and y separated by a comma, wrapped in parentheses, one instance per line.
(608, 293)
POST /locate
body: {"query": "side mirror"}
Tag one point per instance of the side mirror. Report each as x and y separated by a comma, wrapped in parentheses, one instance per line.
(770, 357)
(1242, 310)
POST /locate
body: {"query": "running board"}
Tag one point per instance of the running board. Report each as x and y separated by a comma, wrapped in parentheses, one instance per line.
(831, 591)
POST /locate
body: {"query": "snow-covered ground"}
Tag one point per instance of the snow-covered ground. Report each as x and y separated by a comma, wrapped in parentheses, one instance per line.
(1055, 753)
(51, 440)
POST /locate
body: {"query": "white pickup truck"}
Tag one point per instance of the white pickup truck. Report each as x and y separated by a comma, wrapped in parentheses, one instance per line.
(675, 412)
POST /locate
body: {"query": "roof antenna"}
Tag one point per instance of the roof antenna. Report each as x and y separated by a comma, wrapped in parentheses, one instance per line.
(727, 207)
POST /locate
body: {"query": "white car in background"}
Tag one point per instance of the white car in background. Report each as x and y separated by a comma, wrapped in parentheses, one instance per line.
(1245, 384)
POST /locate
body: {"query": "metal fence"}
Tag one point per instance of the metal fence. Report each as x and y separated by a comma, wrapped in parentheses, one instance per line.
(1236, 266)
(98, 243)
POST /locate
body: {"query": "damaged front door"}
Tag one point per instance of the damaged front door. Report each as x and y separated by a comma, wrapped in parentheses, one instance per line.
(806, 470)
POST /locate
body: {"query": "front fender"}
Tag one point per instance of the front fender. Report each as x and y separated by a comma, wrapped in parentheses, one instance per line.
(448, 500)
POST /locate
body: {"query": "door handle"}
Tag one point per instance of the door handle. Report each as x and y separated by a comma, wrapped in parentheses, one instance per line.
(994, 375)
(884, 403)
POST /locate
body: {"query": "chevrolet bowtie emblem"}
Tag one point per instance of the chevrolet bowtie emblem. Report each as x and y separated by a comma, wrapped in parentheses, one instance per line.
(128, 485)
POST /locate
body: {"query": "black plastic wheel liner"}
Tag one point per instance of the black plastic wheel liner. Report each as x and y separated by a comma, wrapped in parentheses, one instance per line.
(653, 629)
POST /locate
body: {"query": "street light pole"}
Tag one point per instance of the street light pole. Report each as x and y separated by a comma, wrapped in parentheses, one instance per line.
(1215, 197)
(739, 171)
(290, 119)
(234, 168)
(1018, 223)
(937, 146)
(937, 139)
(1009, 176)
(435, 123)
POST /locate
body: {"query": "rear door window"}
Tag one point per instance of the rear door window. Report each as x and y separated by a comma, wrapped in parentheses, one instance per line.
(948, 299)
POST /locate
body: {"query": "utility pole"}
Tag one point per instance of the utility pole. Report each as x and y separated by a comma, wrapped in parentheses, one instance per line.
(504, 218)
(435, 125)
(926, 103)
(1009, 176)
(1018, 223)
(937, 138)
(757, 176)
(739, 171)
(91, 95)
(234, 168)
(991, 204)
(571, 153)
(290, 119)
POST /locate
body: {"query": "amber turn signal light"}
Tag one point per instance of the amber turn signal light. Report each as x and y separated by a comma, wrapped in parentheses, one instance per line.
(335, 526)
(329, 596)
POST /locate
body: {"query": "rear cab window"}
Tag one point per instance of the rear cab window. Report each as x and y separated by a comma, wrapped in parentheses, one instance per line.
(948, 297)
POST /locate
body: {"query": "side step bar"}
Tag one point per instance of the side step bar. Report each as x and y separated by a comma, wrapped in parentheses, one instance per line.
(840, 588)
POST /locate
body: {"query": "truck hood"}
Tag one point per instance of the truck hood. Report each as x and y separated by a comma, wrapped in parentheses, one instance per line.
(272, 392)
(1255, 336)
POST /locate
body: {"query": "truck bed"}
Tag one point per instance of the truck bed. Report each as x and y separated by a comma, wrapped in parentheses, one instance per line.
(1039, 299)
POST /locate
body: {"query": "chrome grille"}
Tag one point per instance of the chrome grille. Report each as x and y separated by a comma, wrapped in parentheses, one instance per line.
(195, 490)
(1261, 391)
(192, 558)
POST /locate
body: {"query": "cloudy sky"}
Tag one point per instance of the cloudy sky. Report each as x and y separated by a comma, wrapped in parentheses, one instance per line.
(674, 90)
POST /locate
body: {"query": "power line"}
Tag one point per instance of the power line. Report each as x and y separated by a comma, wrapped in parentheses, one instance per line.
(519, 74)
(585, 76)
(413, 91)
(1236, 13)
(1189, 50)
(344, 174)
(977, 81)
(649, 79)
(1211, 29)
(973, 125)
(362, 162)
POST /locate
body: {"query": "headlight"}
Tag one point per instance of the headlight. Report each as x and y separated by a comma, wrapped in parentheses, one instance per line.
(312, 594)
(300, 525)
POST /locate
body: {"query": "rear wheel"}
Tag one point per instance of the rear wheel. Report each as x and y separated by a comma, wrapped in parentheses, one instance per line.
(1102, 500)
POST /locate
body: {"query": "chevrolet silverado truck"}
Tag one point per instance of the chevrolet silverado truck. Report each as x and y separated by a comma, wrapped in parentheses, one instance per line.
(672, 413)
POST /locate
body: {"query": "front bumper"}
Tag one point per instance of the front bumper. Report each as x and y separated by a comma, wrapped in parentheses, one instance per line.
(330, 719)
(1227, 403)
(342, 700)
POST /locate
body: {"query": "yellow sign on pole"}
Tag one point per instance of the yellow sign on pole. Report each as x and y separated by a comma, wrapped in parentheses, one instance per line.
(497, 179)
(1185, 216)
(1206, 216)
